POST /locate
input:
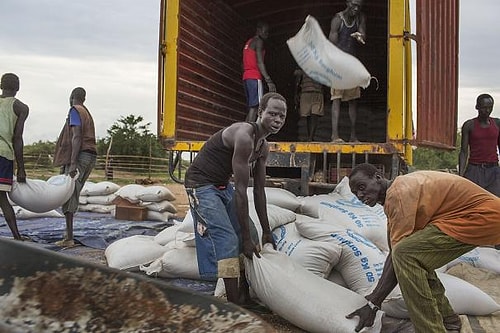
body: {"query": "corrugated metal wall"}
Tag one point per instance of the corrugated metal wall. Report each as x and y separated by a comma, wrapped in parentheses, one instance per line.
(437, 73)
(211, 37)
(210, 93)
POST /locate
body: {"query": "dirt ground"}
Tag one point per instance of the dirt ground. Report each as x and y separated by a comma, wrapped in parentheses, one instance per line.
(181, 201)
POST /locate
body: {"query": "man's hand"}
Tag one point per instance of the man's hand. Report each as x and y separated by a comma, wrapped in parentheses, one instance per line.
(366, 317)
(271, 86)
(249, 249)
(267, 237)
(72, 170)
(21, 176)
(358, 36)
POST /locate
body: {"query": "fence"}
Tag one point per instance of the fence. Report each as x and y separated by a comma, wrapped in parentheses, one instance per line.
(117, 164)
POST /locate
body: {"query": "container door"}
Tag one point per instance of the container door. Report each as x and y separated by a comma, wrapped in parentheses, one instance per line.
(437, 72)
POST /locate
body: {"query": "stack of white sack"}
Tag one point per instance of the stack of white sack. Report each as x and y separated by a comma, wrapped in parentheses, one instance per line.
(158, 200)
(481, 257)
(361, 232)
(180, 260)
(38, 198)
(98, 197)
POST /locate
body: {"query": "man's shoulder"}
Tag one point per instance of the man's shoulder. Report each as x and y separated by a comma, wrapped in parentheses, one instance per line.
(496, 120)
(20, 107)
(468, 123)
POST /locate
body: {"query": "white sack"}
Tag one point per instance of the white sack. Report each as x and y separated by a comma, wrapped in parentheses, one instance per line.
(464, 297)
(337, 278)
(323, 61)
(131, 252)
(82, 199)
(96, 208)
(309, 205)
(361, 262)
(371, 222)
(343, 189)
(172, 234)
(187, 224)
(315, 256)
(278, 197)
(42, 196)
(155, 193)
(101, 188)
(159, 216)
(175, 263)
(481, 257)
(129, 192)
(106, 199)
(276, 215)
(304, 299)
(24, 214)
(160, 206)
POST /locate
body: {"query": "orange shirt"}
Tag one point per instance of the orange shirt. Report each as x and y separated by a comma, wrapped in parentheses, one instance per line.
(457, 206)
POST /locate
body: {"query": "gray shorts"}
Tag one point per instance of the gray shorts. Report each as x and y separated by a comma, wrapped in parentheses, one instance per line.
(486, 176)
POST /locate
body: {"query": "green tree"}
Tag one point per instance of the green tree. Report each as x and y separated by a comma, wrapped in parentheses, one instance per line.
(131, 137)
(39, 153)
(436, 159)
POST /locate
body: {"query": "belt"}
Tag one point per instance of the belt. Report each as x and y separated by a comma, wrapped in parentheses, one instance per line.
(485, 165)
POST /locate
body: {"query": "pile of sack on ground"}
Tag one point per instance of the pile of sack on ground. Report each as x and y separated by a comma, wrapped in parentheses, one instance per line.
(330, 247)
(38, 198)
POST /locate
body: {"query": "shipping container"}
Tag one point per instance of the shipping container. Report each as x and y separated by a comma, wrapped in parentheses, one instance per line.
(200, 88)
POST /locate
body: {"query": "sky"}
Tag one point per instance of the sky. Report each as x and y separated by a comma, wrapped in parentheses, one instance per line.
(109, 47)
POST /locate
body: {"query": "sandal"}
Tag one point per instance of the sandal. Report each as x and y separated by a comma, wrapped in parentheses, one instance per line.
(452, 323)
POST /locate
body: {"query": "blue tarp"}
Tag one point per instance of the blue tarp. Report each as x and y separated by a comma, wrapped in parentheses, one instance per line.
(94, 230)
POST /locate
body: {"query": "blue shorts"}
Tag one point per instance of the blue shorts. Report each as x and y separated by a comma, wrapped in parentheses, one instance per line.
(253, 92)
(217, 231)
(6, 174)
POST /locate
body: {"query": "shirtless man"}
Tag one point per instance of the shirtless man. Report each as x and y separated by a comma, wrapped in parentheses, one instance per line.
(220, 207)
(347, 31)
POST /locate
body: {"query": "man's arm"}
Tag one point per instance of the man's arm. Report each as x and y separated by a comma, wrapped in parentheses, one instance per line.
(76, 144)
(259, 196)
(243, 148)
(22, 111)
(334, 29)
(463, 156)
(497, 121)
(385, 285)
(360, 35)
(259, 50)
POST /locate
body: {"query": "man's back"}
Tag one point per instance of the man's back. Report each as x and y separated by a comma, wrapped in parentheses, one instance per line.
(454, 204)
(8, 120)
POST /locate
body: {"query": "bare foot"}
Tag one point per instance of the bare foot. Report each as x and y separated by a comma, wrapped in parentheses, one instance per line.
(354, 139)
(338, 140)
(65, 243)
